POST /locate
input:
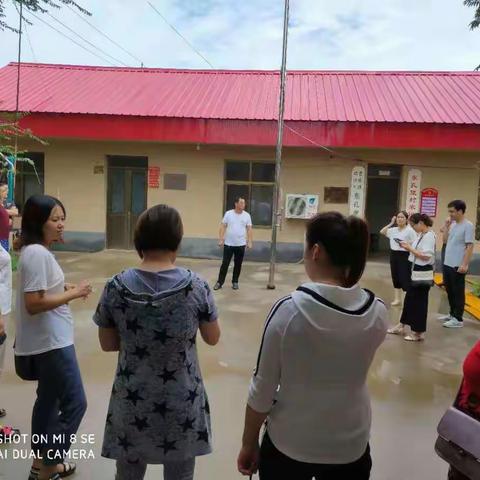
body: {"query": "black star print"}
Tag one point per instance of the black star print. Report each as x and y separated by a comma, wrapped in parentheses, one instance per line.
(140, 423)
(192, 395)
(141, 353)
(162, 336)
(122, 306)
(167, 446)
(189, 367)
(203, 316)
(193, 340)
(161, 408)
(124, 443)
(168, 375)
(134, 326)
(133, 396)
(109, 418)
(202, 435)
(187, 424)
(198, 379)
(125, 372)
(206, 407)
(183, 356)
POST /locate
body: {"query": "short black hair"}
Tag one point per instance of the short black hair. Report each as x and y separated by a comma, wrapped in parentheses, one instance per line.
(458, 205)
(345, 239)
(158, 228)
(237, 199)
(36, 212)
(421, 217)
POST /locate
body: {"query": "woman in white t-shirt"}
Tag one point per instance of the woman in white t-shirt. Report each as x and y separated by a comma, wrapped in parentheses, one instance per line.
(44, 349)
(397, 231)
(317, 347)
(421, 258)
(5, 305)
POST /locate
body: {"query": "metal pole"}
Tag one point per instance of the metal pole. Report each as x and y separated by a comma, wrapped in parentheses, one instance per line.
(11, 192)
(277, 210)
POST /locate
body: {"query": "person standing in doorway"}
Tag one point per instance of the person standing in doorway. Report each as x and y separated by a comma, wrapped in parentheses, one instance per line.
(235, 235)
(458, 253)
(397, 231)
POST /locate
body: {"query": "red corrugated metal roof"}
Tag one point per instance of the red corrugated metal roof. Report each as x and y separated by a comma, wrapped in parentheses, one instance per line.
(413, 97)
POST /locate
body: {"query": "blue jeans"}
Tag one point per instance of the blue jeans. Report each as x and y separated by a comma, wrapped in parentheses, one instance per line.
(60, 404)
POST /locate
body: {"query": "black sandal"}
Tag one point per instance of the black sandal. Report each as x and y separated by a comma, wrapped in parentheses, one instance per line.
(68, 469)
(3, 412)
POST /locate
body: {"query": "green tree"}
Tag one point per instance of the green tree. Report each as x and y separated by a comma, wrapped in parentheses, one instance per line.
(41, 6)
(475, 23)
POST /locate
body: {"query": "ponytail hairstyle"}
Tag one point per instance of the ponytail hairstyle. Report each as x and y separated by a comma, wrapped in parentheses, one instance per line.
(421, 217)
(345, 240)
(36, 213)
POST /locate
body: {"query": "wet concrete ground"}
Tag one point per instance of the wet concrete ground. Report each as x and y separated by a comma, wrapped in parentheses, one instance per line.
(411, 384)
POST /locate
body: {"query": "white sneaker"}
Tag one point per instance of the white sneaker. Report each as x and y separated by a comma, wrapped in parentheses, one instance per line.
(453, 323)
(444, 318)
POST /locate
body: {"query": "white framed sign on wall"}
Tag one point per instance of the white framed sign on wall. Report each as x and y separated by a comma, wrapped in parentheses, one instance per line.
(357, 191)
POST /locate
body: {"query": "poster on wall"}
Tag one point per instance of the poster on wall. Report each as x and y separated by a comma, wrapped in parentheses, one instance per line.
(357, 191)
(153, 177)
(413, 190)
(429, 202)
(301, 206)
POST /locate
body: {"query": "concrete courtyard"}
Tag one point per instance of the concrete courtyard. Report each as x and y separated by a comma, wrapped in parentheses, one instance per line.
(411, 384)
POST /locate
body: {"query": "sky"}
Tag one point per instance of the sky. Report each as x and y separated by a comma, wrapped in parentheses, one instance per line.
(247, 34)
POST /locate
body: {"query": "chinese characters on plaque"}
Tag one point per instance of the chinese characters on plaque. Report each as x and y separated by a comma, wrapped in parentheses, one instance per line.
(429, 202)
(357, 191)
(413, 191)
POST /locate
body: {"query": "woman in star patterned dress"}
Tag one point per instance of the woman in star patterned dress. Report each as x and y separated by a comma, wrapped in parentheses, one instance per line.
(159, 411)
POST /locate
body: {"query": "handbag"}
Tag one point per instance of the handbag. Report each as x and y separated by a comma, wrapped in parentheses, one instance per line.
(458, 442)
(421, 278)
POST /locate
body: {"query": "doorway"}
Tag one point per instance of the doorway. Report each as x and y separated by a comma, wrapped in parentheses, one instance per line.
(126, 198)
(383, 192)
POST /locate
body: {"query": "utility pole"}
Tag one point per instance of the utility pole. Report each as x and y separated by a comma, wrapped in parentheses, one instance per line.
(277, 208)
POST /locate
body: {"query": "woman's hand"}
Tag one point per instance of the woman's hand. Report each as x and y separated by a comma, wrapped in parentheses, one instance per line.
(406, 246)
(248, 459)
(394, 220)
(82, 290)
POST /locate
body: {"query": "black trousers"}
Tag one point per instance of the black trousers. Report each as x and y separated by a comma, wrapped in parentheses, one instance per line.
(274, 465)
(455, 285)
(415, 306)
(400, 269)
(228, 252)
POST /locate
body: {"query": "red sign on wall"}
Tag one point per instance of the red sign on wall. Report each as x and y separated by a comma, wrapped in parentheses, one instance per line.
(153, 177)
(429, 202)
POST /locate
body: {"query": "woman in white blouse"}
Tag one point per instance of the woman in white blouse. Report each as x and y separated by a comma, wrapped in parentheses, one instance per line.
(397, 231)
(316, 350)
(422, 256)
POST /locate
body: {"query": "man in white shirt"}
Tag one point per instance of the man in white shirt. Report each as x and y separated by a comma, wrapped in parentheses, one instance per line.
(235, 236)
(460, 237)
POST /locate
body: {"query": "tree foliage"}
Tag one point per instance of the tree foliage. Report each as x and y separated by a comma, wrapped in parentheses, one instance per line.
(41, 6)
(475, 23)
(10, 130)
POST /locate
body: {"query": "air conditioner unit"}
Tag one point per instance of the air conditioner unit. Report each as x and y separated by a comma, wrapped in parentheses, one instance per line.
(303, 206)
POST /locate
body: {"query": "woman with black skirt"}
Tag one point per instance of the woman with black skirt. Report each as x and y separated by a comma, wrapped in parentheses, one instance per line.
(398, 230)
(421, 258)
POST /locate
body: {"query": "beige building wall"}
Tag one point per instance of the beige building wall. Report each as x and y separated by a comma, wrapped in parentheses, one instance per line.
(70, 174)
